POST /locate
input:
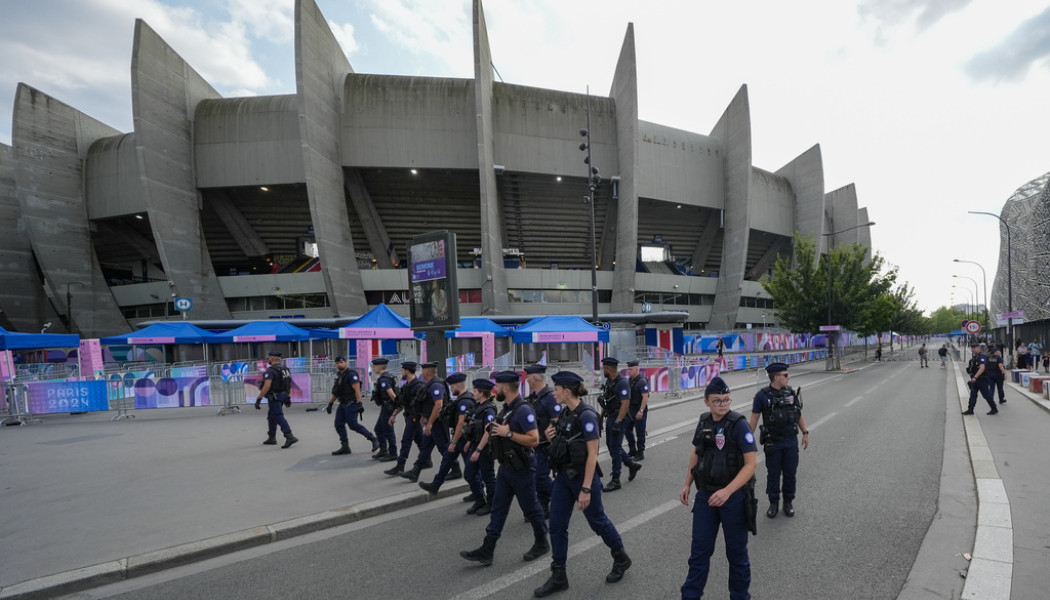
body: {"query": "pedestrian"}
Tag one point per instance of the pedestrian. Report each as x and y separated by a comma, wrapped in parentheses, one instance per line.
(277, 389)
(547, 409)
(878, 353)
(429, 403)
(384, 394)
(479, 466)
(980, 379)
(347, 391)
(720, 346)
(574, 456)
(454, 416)
(512, 436)
(722, 467)
(1022, 355)
(406, 403)
(638, 409)
(997, 368)
(615, 401)
(922, 357)
(781, 410)
(1036, 351)
(942, 352)
(1046, 363)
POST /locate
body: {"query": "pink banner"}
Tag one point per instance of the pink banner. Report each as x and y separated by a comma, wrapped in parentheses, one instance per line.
(151, 340)
(254, 338)
(91, 359)
(575, 336)
(488, 349)
(7, 366)
(352, 333)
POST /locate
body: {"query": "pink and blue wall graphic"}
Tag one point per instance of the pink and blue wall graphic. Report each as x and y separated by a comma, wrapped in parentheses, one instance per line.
(49, 397)
(300, 388)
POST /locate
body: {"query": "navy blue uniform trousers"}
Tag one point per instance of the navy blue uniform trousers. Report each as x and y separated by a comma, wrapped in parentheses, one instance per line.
(564, 496)
(706, 520)
(520, 484)
(346, 417)
(614, 442)
(275, 417)
(781, 460)
(384, 430)
(480, 475)
(636, 432)
(985, 386)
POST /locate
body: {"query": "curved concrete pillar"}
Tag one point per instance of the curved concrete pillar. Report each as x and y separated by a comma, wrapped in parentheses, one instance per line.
(624, 93)
(51, 142)
(842, 204)
(320, 74)
(806, 175)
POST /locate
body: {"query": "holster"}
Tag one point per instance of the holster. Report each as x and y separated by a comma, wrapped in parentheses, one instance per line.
(751, 507)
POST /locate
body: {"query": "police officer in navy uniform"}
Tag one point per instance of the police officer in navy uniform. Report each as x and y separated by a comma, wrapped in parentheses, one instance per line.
(406, 403)
(781, 412)
(277, 380)
(638, 409)
(547, 409)
(997, 367)
(574, 455)
(512, 436)
(615, 402)
(721, 465)
(347, 391)
(429, 403)
(479, 467)
(384, 394)
(980, 380)
(454, 415)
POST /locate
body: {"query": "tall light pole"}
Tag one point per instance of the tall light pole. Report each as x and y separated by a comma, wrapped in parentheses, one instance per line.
(832, 363)
(593, 179)
(968, 299)
(69, 303)
(1009, 285)
(976, 296)
(984, 277)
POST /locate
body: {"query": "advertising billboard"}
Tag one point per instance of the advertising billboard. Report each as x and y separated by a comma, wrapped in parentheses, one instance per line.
(433, 290)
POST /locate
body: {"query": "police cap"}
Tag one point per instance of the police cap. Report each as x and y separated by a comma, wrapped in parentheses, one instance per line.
(534, 369)
(409, 366)
(456, 378)
(777, 367)
(380, 361)
(632, 363)
(506, 377)
(975, 344)
(429, 365)
(609, 361)
(716, 386)
(275, 353)
(340, 359)
(566, 378)
(483, 384)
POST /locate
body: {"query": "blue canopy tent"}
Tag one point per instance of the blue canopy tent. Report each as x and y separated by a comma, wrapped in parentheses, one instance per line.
(263, 331)
(169, 333)
(558, 329)
(468, 325)
(380, 324)
(479, 334)
(13, 340)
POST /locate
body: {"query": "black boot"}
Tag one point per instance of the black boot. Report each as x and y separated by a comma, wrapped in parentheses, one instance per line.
(375, 444)
(539, 548)
(471, 497)
(344, 449)
(621, 562)
(774, 507)
(613, 485)
(484, 510)
(398, 469)
(289, 440)
(454, 472)
(483, 554)
(271, 441)
(633, 468)
(428, 465)
(789, 510)
(389, 456)
(555, 583)
(412, 475)
(632, 450)
(379, 454)
(430, 488)
(474, 508)
(640, 455)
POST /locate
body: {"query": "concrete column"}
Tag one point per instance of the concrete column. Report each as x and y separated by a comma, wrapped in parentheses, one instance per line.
(806, 175)
(624, 93)
(378, 240)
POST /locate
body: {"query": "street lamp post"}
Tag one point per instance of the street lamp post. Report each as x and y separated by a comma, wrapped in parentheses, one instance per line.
(593, 179)
(69, 303)
(967, 299)
(976, 296)
(984, 278)
(1009, 285)
(832, 362)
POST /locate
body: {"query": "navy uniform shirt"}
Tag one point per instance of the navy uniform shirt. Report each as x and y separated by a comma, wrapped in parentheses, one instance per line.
(763, 399)
(588, 420)
(639, 387)
(383, 384)
(522, 419)
(992, 368)
(741, 433)
(975, 365)
(464, 404)
(621, 389)
(275, 374)
(343, 389)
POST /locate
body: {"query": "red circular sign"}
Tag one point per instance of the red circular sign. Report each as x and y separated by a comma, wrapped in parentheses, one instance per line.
(973, 327)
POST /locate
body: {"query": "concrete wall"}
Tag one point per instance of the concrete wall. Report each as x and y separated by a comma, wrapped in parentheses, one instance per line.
(625, 93)
(112, 180)
(679, 166)
(806, 175)
(408, 121)
(772, 203)
(842, 204)
(247, 141)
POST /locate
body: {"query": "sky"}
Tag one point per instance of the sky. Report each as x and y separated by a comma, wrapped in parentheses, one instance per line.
(932, 108)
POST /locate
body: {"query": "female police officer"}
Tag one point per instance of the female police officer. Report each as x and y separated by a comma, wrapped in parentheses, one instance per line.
(574, 455)
(722, 462)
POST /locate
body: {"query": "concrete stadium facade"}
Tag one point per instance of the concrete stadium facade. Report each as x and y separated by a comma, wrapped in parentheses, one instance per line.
(1027, 214)
(303, 204)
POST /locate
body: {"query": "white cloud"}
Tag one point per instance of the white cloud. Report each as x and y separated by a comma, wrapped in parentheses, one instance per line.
(432, 28)
(344, 34)
(270, 19)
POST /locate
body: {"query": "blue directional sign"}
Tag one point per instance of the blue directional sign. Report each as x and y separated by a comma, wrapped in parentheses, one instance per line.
(184, 304)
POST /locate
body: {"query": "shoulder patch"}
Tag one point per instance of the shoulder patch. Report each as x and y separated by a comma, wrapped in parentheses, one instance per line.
(531, 418)
(557, 408)
(749, 438)
(625, 393)
(645, 388)
(436, 392)
(491, 418)
(588, 427)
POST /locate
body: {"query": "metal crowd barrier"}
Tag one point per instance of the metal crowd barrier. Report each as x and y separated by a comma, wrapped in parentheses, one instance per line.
(16, 398)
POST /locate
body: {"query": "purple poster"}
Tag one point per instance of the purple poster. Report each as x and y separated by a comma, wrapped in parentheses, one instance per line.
(48, 397)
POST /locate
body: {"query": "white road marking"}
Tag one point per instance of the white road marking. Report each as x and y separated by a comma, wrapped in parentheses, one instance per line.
(852, 402)
(822, 420)
(871, 390)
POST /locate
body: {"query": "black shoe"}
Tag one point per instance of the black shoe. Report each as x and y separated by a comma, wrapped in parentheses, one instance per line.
(967, 412)
(398, 469)
(621, 562)
(789, 510)
(412, 475)
(613, 485)
(1003, 401)
(483, 554)
(270, 441)
(428, 465)
(454, 473)
(994, 412)
(633, 468)
(344, 449)
(379, 453)
(539, 548)
(470, 497)
(555, 583)
(632, 452)
(774, 507)
(375, 445)
(388, 457)
(484, 510)
(474, 508)
(289, 440)
(430, 488)
(640, 455)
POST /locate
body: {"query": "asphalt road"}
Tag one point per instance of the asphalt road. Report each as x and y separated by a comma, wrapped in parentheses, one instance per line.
(868, 491)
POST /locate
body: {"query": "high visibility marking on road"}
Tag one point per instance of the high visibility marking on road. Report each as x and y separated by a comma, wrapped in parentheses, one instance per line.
(853, 401)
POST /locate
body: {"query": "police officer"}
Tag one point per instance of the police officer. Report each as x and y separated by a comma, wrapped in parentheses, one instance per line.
(980, 380)
(781, 412)
(547, 409)
(406, 403)
(277, 389)
(615, 402)
(384, 394)
(347, 391)
(722, 466)
(638, 409)
(574, 455)
(429, 403)
(512, 436)
(998, 370)
(479, 467)
(453, 414)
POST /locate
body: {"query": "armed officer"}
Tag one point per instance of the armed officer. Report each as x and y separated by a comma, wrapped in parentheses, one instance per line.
(574, 456)
(347, 391)
(781, 410)
(512, 436)
(615, 403)
(980, 380)
(997, 366)
(638, 409)
(277, 389)
(406, 403)
(429, 403)
(722, 466)
(547, 409)
(453, 414)
(479, 467)
(384, 394)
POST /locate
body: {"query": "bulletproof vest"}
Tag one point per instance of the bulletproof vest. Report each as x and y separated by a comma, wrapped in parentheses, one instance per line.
(568, 448)
(780, 417)
(408, 398)
(343, 389)
(718, 457)
(425, 402)
(474, 428)
(500, 445)
(379, 395)
(975, 365)
(610, 399)
(636, 395)
(281, 379)
(543, 420)
(450, 412)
